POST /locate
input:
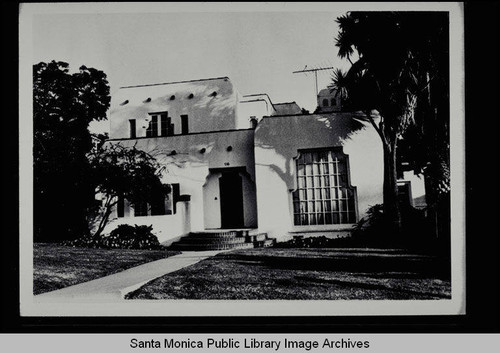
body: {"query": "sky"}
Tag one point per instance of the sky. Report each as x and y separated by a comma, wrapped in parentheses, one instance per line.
(256, 45)
(258, 49)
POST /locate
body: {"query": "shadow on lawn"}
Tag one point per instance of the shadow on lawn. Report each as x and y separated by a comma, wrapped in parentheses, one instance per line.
(374, 286)
(372, 264)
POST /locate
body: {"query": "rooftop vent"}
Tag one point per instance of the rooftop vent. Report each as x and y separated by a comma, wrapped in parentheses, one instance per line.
(213, 94)
(229, 148)
(173, 153)
(125, 102)
(203, 150)
(191, 96)
(172, 97)
(147, 100)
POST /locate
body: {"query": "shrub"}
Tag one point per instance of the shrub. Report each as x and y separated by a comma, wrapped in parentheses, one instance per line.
(315, 242)
(122, 237)
(372, 229)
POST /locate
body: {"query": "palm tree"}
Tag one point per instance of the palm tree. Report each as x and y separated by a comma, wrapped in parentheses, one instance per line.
(391, 70)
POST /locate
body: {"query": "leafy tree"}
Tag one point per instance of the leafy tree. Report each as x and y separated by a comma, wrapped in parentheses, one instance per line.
(63, 106)
(120, 172)
(396, 58)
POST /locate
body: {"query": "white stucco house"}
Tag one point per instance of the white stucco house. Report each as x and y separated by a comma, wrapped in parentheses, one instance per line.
(242, 162)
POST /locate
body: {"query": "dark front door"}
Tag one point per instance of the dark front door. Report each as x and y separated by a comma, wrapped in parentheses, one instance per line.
(231, 200)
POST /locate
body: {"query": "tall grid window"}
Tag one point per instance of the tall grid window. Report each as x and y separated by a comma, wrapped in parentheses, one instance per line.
(323, 194)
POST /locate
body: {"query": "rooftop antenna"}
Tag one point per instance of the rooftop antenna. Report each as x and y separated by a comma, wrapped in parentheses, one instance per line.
(315, 70)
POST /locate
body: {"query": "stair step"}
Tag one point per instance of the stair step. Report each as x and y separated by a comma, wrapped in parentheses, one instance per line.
(199, 241)
(212, 240)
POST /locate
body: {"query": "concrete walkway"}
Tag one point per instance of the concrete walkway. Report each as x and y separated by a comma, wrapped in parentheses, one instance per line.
(113, 288)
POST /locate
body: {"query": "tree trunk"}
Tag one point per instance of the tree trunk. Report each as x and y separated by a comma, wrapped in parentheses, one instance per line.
(391, 204)
(105, 217)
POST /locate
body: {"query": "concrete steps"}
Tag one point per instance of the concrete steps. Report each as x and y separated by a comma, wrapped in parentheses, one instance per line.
(222, 240)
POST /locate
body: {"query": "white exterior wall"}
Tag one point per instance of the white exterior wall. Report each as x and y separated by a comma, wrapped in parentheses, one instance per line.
(205, 112)
(277, 141)
(191, 169)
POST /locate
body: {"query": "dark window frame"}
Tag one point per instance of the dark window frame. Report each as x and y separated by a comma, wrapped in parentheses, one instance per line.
(184, 124)
(324, 195)
(132, 128)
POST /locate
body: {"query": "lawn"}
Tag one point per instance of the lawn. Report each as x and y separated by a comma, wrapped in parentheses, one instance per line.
(57, 266)
(272, 273)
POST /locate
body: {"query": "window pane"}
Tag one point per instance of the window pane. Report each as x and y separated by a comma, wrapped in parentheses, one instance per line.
(312, 219)
(343, 205)
(326, 194)
(309, 169)
(307, 158)
(315, 157)
(335, 206)
(317, 194)
(309, 182)
(350, 203)
(310, 205)
(333, 168)
(319, 206)
(296, 207)
(316, 169)
(326, 170)
(335, 193)
(328, 218)
(303, 207)
(304, 219)
(333, 180)
(328, 206)
(296, 220)
(310, 194)
(301, 170)
(326, 181)
(323, 156)
(335, 218)
(302, 194)
(320, 219)
(317, 181)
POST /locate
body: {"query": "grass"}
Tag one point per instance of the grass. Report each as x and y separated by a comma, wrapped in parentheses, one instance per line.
(57, 266)
(272, 273)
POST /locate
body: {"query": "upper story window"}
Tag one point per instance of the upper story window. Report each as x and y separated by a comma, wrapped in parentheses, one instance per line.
(161, 204)
(325, 102)
(132, 127)
(334, 102)
(323, 194)
(167, 128)
(152, 130)
(184, 124)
